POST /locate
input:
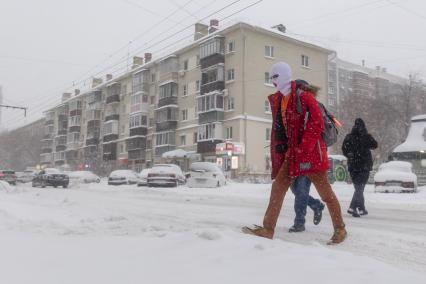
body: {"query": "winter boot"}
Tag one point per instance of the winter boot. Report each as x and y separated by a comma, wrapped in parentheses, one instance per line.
(363, 212)
(259, 231)
(338, 236)
(297, 228)
(318, 214)
(354, 212)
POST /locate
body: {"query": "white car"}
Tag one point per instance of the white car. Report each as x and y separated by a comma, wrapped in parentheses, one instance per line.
(166, 175)
(121, 177)
(204, 174)
(84, 177)
(143, 177)
(395, 176)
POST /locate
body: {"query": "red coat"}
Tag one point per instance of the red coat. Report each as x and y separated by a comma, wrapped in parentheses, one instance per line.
(307, 152)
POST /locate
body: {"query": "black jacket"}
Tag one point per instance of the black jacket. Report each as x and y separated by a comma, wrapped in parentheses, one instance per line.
(356, 147)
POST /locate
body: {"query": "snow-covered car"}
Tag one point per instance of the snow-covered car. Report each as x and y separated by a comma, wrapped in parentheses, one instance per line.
(395, 176)
(84, 177)
(165, 175)
(120, 177)
(51, 177)
(204, 174)
(26, 176)
(143, 177)
(8, 176)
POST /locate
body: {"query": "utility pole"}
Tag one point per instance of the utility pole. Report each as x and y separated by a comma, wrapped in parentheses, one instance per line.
(16, 107)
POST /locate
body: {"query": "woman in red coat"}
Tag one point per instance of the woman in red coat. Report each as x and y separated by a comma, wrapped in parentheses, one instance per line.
(297, 148)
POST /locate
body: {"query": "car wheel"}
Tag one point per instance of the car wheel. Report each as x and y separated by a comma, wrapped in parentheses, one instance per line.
(218, 184)
(65, 186)
(55, 186)
(98, 180)
(43, 185)
(33, 184)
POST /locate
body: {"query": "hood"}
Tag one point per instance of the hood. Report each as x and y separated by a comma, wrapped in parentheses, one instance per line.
(359, 127)
(281, 77)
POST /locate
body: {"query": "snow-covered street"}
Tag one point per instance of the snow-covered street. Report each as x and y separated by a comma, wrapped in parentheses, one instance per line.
(128, 234)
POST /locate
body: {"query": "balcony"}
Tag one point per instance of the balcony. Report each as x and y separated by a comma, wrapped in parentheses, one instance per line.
(46, 158)
(62, 132)
(48, 136)
(46, 150)
(214, 86)
(212, 52)
(92, 141)
(93, 115)
(167, 101)
(136, 155)
(142, 131)
(109, 151)
(49, 122)
(212, 60)
(137, 143)
(59, 156)
(112, 117)
(113, 99)
(91, 152)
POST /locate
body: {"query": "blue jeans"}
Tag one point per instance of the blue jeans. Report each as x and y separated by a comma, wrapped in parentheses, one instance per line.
(300, 189)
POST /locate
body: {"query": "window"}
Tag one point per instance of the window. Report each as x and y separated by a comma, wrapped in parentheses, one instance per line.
(212, 101)
(305, 61)
(268, 134)
(197, 85)
(209, 131)
(110, 127)
(145, 98)
(195, 137)
(123, 128)
(168, 90)
(185, 65)
(152, 98)
(231, 46)
(184, 114)
(213, 75)
(330, 102)
(183, 140)
(229, 132)
(138, 120)
(152, 77)
(185, 90)
(73, 137)
(74, 121)
(121, 148)
(148, 144)
(165, 138)
(124, 89)
(166, 114)
(74, 105)
(230, 103)
(198, 60)
(267, 106)
(151, 122)
(268, 80)
(211, 47)
(269, 51)
(231, 75)
(331, 90)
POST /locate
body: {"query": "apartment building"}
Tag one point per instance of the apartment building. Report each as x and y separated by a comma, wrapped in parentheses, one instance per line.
(208, 99)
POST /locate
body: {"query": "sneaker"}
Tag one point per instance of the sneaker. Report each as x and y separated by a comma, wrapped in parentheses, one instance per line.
(338, 236)
(259, 231)
(297, 228)
(354, 212)
(318, 214)
(362, 212)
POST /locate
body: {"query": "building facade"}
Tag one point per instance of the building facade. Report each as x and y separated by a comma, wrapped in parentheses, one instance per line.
(208, 99)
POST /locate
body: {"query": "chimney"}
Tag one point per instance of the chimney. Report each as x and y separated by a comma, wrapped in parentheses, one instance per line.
(363, 63)
(96, 82)
(137, 61)
(148, 57)
(201, 30)
(214, 25)
(76, 92)
(108, 77)
(66, 96)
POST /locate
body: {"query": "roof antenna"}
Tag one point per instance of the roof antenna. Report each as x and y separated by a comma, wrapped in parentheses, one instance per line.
(280, 28)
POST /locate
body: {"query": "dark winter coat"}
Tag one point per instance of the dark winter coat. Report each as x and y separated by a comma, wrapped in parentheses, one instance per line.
(302, 143)
(357, 148)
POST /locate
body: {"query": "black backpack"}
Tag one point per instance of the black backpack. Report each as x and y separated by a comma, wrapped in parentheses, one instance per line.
(330, 132)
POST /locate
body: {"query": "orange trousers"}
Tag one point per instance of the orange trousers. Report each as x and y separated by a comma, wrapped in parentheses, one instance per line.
(280, 186)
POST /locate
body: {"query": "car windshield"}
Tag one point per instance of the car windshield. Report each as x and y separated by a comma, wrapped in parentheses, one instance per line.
(205, 167)
(8, 172)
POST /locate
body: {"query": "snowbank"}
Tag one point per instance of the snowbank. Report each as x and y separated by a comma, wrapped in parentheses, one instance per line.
(5, 186)
(416, 140)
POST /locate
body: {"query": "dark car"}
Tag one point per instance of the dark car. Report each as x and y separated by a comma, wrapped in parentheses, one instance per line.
(8, 176)
(51, 177)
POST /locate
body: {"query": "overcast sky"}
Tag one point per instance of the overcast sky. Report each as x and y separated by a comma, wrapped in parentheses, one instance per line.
(46, 45)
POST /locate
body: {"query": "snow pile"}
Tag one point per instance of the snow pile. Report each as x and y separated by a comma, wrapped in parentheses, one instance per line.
(178, 153)
(5, 186)
(416, 140)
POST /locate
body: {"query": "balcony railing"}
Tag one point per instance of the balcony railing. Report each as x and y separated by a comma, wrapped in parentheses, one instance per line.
(113, 99)
(112, 117)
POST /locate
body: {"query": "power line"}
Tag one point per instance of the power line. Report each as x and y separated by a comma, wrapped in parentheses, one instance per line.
(223, 8)
(412, 12)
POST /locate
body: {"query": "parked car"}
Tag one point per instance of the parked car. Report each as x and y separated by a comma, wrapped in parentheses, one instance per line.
(395, 176)
(143, 177)
(51, 177)
(84, 177)
(204, 174)
(8, 176)
(121, 177)
(25, 176)
(166, 175)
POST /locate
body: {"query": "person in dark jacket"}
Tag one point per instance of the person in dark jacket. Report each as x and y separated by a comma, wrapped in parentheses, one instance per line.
(357, 148)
